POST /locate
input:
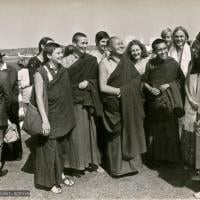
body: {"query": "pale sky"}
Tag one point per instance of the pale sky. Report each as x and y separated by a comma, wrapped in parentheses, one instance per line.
(24, 22)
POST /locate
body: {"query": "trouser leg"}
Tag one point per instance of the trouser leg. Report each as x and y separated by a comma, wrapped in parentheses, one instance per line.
(2, 133)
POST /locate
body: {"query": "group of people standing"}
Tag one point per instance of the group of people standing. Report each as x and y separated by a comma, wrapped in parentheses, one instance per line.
(114, 108)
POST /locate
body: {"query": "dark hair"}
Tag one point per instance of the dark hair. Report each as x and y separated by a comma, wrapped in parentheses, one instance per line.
(22, 62)
(101, 35)
(140, 44)
(69, 49)
(48, 50)
(77, 35)
(165, 31)
(180, 28)
(43, 41)
(156, 42)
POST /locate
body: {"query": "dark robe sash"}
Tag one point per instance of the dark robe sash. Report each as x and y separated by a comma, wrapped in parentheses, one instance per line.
(125, 117)
(85, 68)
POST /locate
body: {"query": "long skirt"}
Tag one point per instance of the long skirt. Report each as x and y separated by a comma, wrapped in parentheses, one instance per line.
(188, 146)
(117, 165)
(49, 162)
(82, 145)
(163, 143)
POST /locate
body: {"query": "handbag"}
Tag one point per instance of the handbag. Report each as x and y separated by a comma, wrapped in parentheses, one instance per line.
(33, 120)
(11, 135)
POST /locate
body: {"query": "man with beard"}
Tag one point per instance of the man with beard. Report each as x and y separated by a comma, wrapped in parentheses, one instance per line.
(101, 40)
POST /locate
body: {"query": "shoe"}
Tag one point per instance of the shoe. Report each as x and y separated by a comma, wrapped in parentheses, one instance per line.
(68, 182)
(78, 173)
(56, 189)
(197, 195)
(196, 176)
(3, 172)
(92, 167)
(100, 169)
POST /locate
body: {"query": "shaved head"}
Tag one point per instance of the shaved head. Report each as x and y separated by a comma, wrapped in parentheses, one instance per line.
(112, 40)
(115, 45)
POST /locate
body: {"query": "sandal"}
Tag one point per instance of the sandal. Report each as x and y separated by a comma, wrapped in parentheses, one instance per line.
(56, 189)
(100, 169)
(197, 195)
(68, 182)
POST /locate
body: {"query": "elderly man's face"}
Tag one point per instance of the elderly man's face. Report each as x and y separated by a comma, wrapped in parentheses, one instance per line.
(117, 46)
(81, 44)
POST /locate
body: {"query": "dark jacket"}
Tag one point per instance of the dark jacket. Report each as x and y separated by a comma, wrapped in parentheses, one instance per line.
(5, 97)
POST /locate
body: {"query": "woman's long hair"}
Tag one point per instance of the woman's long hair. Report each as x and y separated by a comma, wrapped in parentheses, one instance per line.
(180, 28)
(144, 53)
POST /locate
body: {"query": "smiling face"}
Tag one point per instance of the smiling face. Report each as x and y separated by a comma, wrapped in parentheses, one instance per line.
(56, 56)
(136, 52)
(117, 46)
(102, 45)
(81, 44)
(179, 38)
(168, 38)
(161, 51)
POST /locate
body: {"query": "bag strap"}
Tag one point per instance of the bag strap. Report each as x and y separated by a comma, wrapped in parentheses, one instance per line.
(45, 97)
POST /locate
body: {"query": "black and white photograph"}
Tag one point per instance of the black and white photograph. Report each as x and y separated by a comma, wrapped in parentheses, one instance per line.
(99, 99)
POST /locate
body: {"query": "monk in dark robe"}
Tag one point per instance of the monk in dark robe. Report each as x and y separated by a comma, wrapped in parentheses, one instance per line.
(54, 102)
(83, 75)
(163, 80)
(123, 111)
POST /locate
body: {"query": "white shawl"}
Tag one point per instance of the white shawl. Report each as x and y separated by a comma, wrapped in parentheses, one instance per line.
(185, 58)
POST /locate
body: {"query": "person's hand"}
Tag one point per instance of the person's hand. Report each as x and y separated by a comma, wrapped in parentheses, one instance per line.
(45, 128)
(155, 91)
(83, 84)
(194, 105)
(164, 87)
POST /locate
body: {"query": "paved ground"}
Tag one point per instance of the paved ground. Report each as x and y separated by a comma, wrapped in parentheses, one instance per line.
(149, 184)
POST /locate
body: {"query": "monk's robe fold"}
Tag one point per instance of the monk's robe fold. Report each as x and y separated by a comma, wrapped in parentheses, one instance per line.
(125, 117)
(85, 68)
(51, 151)
(176, 98)
(87, 107)
(162, 128)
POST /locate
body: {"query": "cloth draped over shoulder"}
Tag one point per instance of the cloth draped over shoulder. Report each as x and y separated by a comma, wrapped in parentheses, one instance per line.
(175, 98)
(185, 57)
(60, 104)
(126, 116)
(86, 68)
(193, 84)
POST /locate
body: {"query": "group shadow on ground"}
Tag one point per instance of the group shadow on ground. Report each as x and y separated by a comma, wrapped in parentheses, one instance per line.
(177, 176)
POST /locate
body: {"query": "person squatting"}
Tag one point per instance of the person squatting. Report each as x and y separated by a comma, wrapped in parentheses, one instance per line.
(113, 108)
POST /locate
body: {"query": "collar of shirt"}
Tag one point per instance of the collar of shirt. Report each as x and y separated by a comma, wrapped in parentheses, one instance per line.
(3, 67)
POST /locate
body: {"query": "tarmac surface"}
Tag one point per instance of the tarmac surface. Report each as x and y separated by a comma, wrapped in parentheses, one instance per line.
(160, 183)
